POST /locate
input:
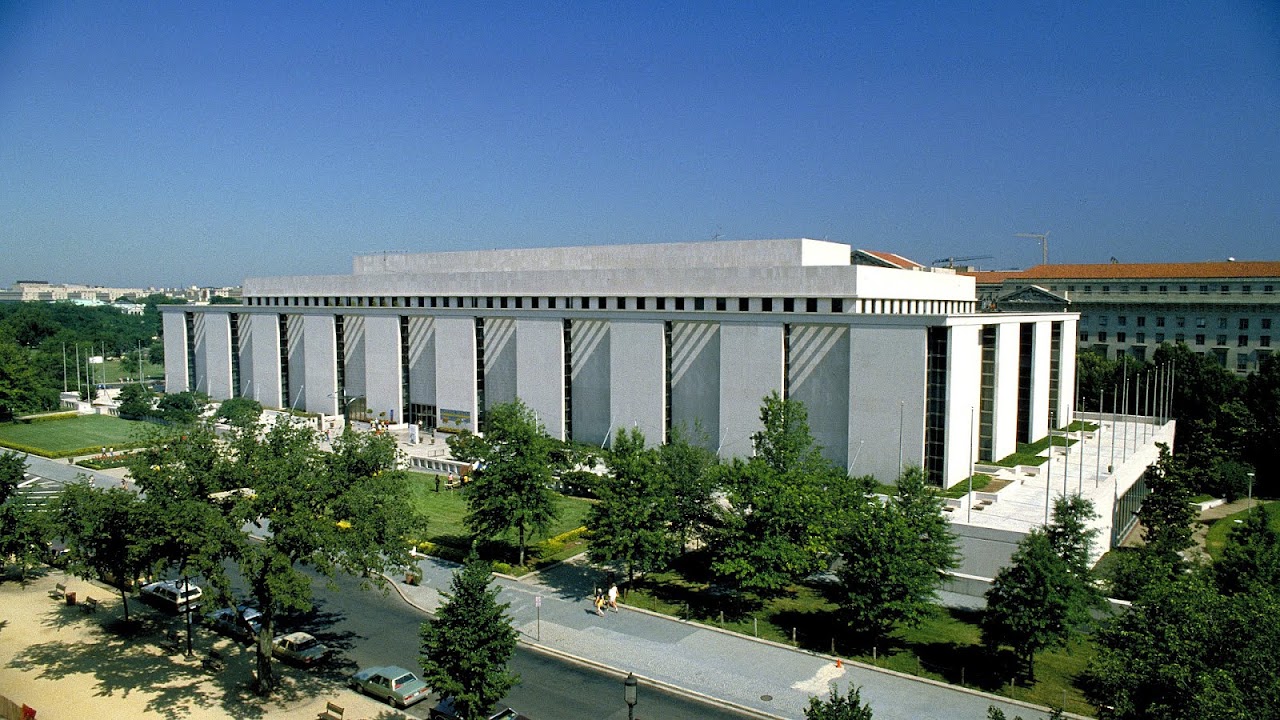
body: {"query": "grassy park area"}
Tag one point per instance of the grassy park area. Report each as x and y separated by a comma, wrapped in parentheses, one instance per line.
(58, 438)
(1216, 538)
(447, 508)
(116, 370)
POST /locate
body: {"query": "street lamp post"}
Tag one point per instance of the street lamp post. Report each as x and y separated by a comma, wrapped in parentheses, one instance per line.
(629, 693)
(1250, 501)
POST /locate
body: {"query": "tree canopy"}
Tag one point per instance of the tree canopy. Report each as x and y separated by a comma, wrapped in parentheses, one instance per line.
(303, 508)
(109, 534)
(1186, 650)
(838, 707)
(781, 508)
(1047, 590)
(466, 647)
(631, 522)
(510, 487)
(23, 529)
(894, 556)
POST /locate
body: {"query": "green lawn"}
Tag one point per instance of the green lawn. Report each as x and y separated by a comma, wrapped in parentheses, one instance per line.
(115, 372)
(1219, 530)
(85, 431)
(446, 509)
(946, 646)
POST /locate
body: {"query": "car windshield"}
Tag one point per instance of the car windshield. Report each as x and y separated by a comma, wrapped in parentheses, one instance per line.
(404, 680)
(304, 643)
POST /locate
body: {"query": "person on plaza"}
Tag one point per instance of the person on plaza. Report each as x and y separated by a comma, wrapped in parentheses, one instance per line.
(613, 597)
(599, 602)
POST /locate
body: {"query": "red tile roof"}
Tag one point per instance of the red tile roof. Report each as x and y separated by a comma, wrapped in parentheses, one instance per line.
(894, 259)
(1243, 269)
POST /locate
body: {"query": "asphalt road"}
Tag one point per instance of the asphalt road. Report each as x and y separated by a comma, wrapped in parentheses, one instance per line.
(375, 629)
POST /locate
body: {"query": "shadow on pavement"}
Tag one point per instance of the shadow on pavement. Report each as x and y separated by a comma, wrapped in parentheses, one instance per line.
(573, 580)
(122, 656)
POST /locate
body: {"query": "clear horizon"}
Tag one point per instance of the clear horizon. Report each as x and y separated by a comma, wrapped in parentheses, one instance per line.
(199, 145)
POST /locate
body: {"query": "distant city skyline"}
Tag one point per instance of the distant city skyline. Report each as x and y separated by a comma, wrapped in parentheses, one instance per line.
(175, 145)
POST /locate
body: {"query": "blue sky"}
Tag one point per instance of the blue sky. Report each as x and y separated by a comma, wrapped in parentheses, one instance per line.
(191, 143)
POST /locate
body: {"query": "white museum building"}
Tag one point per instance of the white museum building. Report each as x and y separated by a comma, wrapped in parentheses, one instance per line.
(895, 366)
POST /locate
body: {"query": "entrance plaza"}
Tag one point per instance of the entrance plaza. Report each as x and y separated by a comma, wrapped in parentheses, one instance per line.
(1106, 466)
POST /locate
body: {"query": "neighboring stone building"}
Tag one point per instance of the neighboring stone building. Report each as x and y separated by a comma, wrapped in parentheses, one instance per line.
(892, 363)
(43, 291)
(1229, 310)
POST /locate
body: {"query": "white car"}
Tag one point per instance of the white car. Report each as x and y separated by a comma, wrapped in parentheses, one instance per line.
(299, 648)
(173, 596)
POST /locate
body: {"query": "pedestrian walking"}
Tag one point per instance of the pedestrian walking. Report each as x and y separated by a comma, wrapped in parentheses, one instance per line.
(599, 601)
(613, 597)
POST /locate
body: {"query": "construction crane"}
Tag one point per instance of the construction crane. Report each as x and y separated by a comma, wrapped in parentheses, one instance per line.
(1044, 243)
(951, 261)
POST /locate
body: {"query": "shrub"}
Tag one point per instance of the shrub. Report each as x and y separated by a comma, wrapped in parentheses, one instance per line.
(49, 417)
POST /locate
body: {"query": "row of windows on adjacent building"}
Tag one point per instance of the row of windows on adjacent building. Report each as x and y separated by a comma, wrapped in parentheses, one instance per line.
(869, 306)
(1170, 289)
(1177, 321)
(1220, 340)
(1244, 359)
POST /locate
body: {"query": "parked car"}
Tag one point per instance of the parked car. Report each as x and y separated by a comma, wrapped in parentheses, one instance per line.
(444, 710)
(300, 648)
(394, 685)
(173, 596)
(242, 623)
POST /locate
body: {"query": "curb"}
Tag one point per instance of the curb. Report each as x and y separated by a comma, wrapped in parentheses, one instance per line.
(695, 695)
(861, 665)
(609, 669)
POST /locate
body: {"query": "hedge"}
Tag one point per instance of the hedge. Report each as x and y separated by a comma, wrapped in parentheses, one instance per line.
(47, 417)
(54, 454)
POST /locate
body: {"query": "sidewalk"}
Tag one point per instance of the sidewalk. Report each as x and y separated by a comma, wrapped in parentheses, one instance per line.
(763, 678)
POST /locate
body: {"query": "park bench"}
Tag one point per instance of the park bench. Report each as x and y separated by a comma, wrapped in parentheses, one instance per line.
(172, 643)
(331, 712)
(59, 591)
(90, 605)
(214, 661)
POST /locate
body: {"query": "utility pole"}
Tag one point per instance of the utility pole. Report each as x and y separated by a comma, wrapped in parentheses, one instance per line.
(1044, 244)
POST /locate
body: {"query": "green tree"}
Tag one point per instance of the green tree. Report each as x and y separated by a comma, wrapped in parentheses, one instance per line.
(136, 401)
(1262, 398)
(13, 470)
(109, 535)
(1211, 422)
(690, 475)
(630, 524)
(780, 510)
(182, 408)
(1250, 561)
(1072, 539)
(241, 412)
(838, 707)
(23, 530)
(466, 648)
(1185, 651)
(24, 535)
(510, 489)
(895, 556)
(1030, 602)
(181, 476)
(1166, 513)
(22, 388)
(338, 511)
